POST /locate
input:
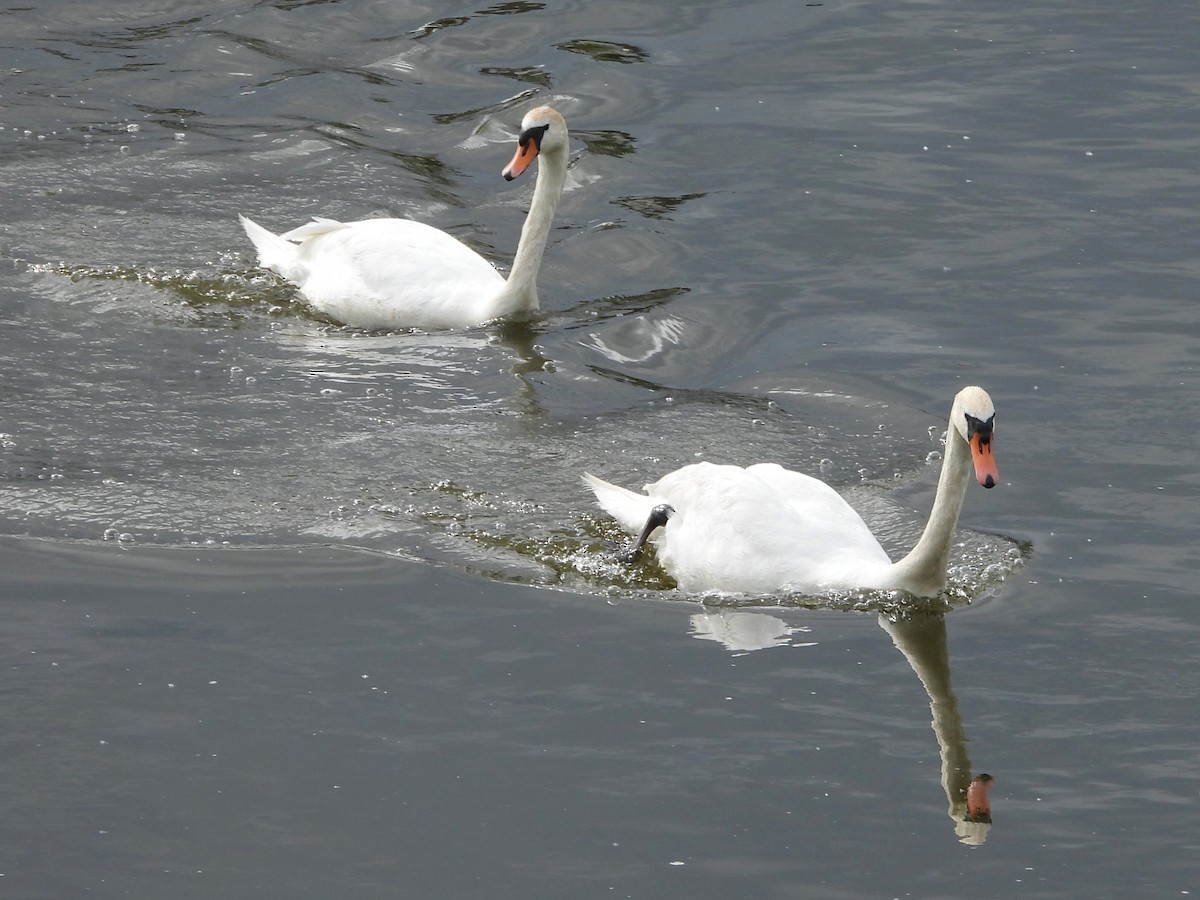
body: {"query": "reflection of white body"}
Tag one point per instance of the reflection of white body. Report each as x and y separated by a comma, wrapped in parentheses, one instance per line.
(744, 632)
(764, 528)
(396, 273)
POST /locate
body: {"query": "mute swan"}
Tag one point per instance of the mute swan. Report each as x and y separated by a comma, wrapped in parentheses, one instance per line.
(397, 273)
(764, 528)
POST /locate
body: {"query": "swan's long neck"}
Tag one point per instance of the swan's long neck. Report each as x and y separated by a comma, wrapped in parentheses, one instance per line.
(923, 570)
(520, 291)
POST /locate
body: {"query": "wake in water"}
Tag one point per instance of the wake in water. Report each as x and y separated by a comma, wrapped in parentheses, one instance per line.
(204, 410)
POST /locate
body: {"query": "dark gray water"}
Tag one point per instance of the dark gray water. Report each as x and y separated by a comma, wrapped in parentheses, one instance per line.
(277, 617)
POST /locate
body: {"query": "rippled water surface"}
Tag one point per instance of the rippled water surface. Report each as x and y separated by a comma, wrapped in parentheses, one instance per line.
(277, 610)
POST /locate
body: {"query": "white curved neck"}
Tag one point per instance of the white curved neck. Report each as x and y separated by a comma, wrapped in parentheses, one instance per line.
(520, 290)
(923, 570)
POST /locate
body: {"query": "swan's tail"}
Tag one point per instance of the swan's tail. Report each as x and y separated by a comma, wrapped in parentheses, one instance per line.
(628, 508)
(274, 252)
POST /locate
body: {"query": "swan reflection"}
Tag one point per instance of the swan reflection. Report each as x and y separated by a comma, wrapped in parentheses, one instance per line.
(921, 637)
(463, 366)
(744, 632)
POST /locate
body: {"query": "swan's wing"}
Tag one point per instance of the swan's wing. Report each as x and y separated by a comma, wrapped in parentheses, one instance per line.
(826, 514)
(382, 273)
(318, 226)
(729, 531)
(760, 529)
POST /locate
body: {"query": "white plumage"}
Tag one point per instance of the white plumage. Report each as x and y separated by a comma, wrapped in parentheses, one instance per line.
(763, 528)
(397, 273)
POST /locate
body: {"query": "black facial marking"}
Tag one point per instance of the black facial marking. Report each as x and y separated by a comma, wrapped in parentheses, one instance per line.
(534, 134)
(983, 429)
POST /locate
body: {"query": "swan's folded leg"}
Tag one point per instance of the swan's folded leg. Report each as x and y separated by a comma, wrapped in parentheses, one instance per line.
(657, 518)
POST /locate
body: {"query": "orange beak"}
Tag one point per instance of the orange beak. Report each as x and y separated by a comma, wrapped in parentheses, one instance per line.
(979, 807)
(985, 464)
(521, 160)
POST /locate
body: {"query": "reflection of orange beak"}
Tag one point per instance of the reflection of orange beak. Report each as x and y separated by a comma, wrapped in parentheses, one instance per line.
(521, 160)
(979, 807)
(985, 464)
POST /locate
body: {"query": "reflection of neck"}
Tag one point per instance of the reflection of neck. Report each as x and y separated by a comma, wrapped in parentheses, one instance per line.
(520, 336)
(921, 637)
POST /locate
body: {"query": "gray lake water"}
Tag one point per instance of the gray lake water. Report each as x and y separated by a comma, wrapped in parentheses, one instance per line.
(297, 611)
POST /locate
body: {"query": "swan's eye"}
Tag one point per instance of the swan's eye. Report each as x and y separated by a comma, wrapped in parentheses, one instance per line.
(979, 427)
(534, 134)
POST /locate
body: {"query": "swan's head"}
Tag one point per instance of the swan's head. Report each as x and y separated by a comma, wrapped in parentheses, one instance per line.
(974, 418)
(979, 807)
(543, 130)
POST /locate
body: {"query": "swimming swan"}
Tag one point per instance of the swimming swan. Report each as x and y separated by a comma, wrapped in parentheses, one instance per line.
(763, 528)
(396, 273)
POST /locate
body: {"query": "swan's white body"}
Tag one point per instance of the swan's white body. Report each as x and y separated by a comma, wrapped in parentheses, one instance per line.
(396, 273)
(763, 528)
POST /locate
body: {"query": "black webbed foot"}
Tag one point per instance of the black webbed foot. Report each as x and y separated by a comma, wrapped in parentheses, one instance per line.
(657, 519)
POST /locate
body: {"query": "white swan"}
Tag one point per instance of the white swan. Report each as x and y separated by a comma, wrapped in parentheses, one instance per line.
(764, 528)
(396, 273)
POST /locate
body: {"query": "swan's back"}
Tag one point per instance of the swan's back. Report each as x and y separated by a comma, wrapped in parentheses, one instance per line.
(391, 273)
(754, 529)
